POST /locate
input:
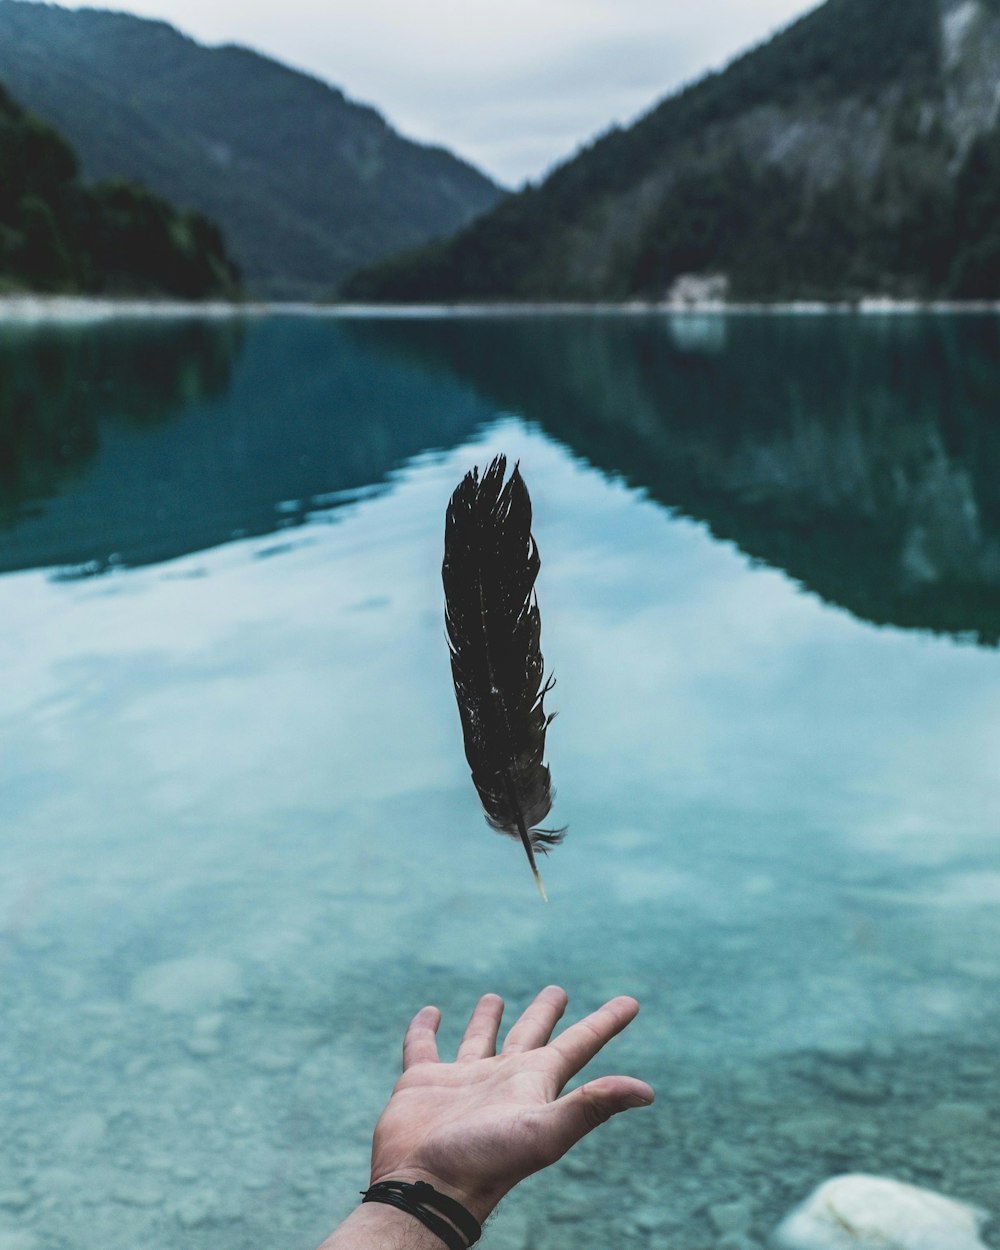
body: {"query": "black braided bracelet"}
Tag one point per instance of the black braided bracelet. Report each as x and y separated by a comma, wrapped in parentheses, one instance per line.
(418, 1199)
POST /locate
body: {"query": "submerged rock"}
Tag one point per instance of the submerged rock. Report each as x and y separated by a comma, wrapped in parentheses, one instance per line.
(858, 1212)
(84, 1131)
(198, 1209)
(199, 983)
(731, 1217)
(15, 1239)
(138, 1191)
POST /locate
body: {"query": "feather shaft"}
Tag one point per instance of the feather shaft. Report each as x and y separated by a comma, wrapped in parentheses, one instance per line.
(525, 838)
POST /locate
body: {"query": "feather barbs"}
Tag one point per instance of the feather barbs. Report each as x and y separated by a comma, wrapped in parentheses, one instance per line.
(490, 565)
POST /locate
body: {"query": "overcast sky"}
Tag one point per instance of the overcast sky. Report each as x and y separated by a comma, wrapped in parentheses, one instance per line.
(512, 85)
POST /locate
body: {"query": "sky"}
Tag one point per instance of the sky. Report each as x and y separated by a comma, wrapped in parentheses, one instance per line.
(514, 86)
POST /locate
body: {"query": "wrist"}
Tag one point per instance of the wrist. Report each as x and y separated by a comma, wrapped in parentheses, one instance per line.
(476, 1201)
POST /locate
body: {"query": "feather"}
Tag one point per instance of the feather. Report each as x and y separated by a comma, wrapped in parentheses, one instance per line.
(494, 632)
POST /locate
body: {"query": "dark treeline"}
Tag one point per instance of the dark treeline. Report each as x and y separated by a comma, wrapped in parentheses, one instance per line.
(59, 235)
(687, 189)
(774, 242)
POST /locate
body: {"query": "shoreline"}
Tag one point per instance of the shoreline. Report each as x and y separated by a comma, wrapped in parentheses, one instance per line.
(21, 309)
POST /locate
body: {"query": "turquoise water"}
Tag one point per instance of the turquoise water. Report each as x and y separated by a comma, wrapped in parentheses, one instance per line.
(240, 843)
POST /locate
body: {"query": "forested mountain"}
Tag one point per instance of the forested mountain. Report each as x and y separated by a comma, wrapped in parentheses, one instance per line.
(59, 235)
(305, 184)
(857, 152)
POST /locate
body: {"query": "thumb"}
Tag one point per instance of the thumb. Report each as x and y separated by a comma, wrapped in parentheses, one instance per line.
(576, 1114)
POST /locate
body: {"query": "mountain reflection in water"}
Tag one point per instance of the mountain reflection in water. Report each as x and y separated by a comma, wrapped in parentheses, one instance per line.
(859, 454)
(133, 442)
(59, 384)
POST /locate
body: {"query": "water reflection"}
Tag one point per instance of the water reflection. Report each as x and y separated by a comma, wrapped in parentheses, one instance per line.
(860, 455)
(133, 442)
(59, 384)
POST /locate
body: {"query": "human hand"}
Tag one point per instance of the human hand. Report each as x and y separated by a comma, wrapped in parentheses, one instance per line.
(475, 1127)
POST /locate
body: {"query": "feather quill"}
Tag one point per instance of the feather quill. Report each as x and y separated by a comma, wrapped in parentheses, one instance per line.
(494, 634)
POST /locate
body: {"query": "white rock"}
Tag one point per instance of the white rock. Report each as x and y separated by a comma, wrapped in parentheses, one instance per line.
(860, 1212)
(201, 983)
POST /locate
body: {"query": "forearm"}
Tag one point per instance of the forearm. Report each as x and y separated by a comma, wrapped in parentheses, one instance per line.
(375, 1226)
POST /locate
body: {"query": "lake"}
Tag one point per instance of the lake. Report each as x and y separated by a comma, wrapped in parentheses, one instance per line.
(240, 842)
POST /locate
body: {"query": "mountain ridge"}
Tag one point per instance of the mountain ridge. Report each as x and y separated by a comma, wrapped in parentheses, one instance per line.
(306, 183)
(844, 156)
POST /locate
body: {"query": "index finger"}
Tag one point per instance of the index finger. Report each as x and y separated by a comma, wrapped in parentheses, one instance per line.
(578, 1044)
(420, 1042)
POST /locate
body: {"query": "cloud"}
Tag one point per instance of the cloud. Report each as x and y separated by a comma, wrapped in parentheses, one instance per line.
(514, 87)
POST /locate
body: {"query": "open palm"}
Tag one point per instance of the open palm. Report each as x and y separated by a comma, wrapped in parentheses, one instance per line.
(476, 1127)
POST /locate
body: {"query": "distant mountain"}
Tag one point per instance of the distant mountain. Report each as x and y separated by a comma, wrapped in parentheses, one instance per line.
(59, 235)
(305, 184)
(857, 152)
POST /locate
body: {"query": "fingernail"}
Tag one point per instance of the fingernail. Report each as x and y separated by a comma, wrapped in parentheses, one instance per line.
(637, 1100)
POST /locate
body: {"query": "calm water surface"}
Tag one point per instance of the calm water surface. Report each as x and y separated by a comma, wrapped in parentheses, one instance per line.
(241, 847)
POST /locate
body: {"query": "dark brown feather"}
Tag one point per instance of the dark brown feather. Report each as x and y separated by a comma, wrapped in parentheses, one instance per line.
(494, 632)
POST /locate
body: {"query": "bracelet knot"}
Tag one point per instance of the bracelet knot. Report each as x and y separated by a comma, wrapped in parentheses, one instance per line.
(445, 1217)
